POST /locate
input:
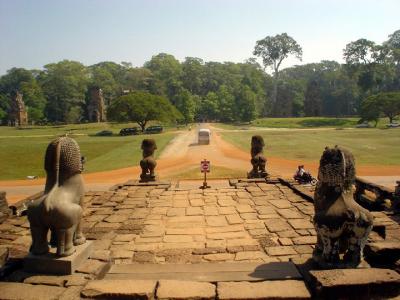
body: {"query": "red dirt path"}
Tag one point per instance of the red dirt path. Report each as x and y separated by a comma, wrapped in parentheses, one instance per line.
(183, 153)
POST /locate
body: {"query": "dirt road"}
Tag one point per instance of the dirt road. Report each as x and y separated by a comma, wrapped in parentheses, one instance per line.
(184, 153)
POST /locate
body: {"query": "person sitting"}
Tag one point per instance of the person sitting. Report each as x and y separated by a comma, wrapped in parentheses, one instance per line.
(302, 175)
(300, 171)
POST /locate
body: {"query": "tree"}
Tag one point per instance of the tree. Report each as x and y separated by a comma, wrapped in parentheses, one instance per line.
(226, 104)
(370, 110)
(359, 52)
(64, 85)
(389, 104)
(312, 100)
(142, 107)
(192, 76)
(34, 99)
(385, 103)
(184, 102)
(370, 63)
(22, 80)
(137, 79)
(290, 98)
(393, 43)
(273, 50)
(246, 105)
(208, 108)
(167, 72)
(102, 76)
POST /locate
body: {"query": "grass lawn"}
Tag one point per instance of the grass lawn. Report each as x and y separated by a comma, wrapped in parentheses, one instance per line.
(369, 146)
(309, 122)
(22, 151)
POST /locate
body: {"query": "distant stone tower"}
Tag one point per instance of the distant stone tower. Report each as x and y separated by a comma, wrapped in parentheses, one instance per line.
(96, 108)
(18, 116)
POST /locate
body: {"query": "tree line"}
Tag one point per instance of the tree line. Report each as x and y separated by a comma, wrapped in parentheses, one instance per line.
(367, 84)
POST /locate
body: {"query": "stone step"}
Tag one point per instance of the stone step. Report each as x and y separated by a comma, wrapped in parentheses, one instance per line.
(383, 251)
(176, 289)
(370, 283)
(206, 272)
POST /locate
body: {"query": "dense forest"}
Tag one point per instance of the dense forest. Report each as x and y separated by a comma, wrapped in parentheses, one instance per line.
(227, 92)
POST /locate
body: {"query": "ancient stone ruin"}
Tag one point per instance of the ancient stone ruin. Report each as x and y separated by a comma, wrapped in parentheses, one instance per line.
(258, 160)
(59, 209)
(4, 210)
(96, 107)
(342, 225)
(18, 115)
(148, 163)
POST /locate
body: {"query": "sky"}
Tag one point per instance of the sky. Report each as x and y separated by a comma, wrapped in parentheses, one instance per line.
(34, 33)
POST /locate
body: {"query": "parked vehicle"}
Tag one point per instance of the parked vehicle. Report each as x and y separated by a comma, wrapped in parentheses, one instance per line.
(104, 133)
(393, 125)
(129, 131)
(153, 129)
(363, 125)
(204, 136)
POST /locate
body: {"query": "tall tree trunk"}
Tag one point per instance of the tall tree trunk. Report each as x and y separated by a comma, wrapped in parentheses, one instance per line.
(275, 93)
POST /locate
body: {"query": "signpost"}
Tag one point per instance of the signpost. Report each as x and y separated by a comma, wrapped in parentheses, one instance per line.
(205, 167)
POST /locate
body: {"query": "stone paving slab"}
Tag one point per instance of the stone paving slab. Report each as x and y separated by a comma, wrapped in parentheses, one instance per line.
(280, 289)
(251, 221)
(175, 289)
(113, 289)
(356, 283)
(18, 291)
(51, 264)
(208, 272)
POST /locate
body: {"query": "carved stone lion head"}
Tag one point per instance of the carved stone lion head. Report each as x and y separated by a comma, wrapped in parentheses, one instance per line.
(337, 168)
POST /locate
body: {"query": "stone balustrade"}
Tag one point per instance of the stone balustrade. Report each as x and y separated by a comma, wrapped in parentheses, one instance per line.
(374, 196)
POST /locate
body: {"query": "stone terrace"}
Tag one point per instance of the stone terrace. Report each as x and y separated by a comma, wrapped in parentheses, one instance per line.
(256, 222)
(252, 222)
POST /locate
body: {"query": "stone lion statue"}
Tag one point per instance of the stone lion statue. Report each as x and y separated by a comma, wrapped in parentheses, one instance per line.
(60, 208)
(258, 159)
(148, 163)
(342, 225)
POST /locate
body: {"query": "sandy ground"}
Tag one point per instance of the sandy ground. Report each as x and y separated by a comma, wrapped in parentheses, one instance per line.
(184, 153)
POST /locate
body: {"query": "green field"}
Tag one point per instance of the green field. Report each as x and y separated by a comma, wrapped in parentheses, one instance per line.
(310, 122)
(22, 151)
(369, 146)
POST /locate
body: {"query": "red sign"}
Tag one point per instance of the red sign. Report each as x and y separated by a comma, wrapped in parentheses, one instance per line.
(205, 166)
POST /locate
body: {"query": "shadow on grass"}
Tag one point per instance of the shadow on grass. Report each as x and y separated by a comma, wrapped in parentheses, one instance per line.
(327, 123)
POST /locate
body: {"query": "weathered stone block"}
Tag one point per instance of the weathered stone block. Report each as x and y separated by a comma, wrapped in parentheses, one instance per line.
(136, 289)
(382, 252)
(51, 264)
(3, 255)
(4, 210)
(280, 250)
(279, 289)
(175, 289)
(13, 290)
(355, 283)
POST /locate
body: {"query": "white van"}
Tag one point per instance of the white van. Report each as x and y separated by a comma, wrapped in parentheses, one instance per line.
(204, 136)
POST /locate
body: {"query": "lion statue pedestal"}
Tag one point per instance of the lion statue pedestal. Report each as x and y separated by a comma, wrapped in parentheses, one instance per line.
(148, 163)
(59, 211)
(258, 159)
(342, 225)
